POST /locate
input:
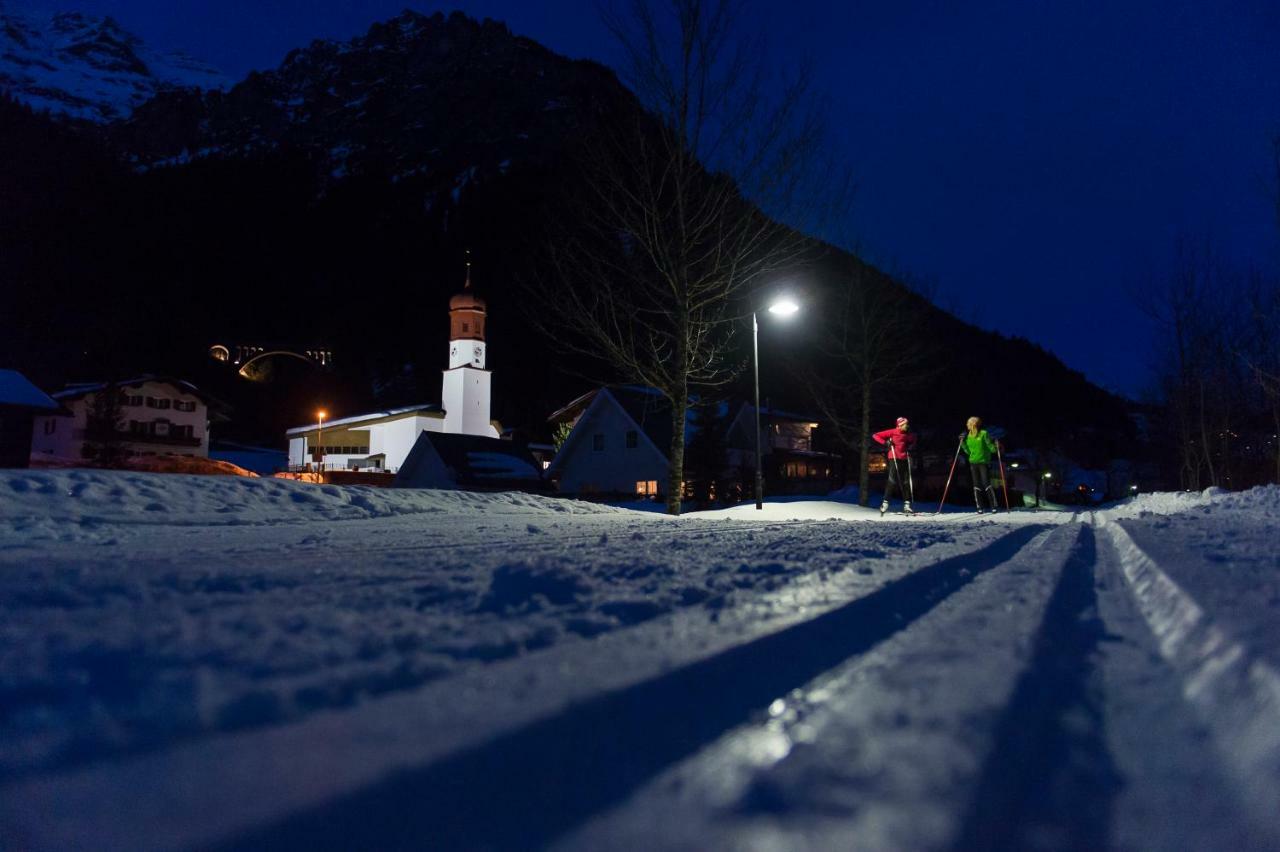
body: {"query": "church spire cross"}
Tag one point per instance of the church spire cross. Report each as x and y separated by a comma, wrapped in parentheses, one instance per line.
(467, 284)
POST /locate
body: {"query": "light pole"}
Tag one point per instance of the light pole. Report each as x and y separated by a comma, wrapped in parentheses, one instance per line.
(320, 441)
(783, 307)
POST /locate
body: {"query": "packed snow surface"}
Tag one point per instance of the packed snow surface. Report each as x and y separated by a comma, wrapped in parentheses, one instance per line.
(189, 661)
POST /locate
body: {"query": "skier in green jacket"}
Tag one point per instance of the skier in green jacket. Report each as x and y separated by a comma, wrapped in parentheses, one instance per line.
(979, 448)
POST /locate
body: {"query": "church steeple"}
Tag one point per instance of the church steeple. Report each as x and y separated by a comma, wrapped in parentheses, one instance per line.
(467, 313)
(465, 396)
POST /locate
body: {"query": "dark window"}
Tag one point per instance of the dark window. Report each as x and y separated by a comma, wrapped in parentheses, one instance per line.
(633, 439)
(153, 402)
(466, 326)
(597, 442)
(50, 426)
(179, 405)
(133, 399)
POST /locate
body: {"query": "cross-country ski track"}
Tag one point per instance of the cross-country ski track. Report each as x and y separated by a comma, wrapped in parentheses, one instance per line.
(1032, 681)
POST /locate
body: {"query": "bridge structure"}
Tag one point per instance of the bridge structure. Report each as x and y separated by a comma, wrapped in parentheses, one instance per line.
(244, 355)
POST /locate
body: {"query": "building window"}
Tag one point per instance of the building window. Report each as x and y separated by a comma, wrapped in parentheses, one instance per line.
(597, 442)
(633, 439)
(153, 402)
(466, 326)
(134, 400)
(160, 428)
(179, 405)
(647, 487)
(50, 426)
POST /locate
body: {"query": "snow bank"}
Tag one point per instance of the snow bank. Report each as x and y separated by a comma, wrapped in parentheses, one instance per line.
(1263, 501)
(30, 499)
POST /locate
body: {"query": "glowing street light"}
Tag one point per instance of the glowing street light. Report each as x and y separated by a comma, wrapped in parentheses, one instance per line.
(781, 306)
(320, 415)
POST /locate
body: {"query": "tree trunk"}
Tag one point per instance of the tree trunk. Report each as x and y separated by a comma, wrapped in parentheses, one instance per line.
(1275, 415)
(675, 461)
(864, 477)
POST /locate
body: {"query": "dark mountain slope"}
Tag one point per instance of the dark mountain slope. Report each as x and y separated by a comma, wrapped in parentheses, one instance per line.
(331, 200)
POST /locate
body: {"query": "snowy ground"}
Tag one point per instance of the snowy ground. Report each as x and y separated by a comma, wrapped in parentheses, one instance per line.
(189, 662)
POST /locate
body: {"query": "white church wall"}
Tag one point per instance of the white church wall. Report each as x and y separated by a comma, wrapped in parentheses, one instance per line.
(395, 438)
(465, 400)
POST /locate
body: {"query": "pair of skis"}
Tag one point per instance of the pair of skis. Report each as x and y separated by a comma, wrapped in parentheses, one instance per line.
(1003, 482)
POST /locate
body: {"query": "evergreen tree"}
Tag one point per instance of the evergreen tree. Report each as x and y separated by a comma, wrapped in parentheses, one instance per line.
(105, 428)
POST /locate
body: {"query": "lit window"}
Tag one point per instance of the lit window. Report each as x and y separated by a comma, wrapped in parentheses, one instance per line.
(647, 487)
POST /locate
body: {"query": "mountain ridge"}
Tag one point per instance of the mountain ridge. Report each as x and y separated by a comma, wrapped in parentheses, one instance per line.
(331, 199)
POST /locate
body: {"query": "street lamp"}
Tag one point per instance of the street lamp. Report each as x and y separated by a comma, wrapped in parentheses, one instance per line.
(782, 306)
(320, 415)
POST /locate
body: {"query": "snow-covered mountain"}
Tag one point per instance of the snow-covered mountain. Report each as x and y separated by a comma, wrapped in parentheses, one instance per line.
(446, 101)
(89, 68)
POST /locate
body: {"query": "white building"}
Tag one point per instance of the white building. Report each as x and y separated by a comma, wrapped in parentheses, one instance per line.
(618, 445)
(159, 416)
(381, 440)
(621, 436)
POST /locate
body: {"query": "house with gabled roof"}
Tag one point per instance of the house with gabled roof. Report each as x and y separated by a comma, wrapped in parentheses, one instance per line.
(159, 415)
(20, 403)
(470, 463)
(618, 444)
(621, 436)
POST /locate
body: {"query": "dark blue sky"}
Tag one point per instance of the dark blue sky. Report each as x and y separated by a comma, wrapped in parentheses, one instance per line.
(1033, 160)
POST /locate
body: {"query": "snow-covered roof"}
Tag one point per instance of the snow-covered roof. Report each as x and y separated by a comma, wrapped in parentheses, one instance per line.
(78, 389)
(16, 390)
(424, 408)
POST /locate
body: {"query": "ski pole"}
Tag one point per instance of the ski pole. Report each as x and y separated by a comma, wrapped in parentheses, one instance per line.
(947, 487)
(1003, 482)
(911, 482)
(897, 474)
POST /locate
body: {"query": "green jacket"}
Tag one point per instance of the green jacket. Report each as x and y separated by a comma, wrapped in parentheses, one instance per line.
(979, 448)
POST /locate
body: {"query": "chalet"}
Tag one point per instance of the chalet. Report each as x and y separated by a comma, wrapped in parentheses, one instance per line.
(159, 415)
(20, 404)
(790, 461)
(618, 444)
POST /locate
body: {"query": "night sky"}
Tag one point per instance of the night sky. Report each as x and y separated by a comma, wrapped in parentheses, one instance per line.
(1033, 161)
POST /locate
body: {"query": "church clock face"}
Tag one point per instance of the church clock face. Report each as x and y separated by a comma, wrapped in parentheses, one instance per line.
(453, 352)
(475, 355)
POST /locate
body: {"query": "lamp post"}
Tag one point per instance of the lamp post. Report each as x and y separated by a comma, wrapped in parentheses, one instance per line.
(320, 440)
(783, 307)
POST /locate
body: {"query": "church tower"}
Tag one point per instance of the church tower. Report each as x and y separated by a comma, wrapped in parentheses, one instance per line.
(465, 397)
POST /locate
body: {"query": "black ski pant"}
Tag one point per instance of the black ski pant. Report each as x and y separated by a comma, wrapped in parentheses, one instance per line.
(980, 474)
(899, 475)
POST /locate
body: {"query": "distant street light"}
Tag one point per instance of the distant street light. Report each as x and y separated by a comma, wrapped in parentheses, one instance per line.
(782, 306)
(320, 440)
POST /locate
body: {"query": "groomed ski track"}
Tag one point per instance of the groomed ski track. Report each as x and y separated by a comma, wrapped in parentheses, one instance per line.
(1050, 688)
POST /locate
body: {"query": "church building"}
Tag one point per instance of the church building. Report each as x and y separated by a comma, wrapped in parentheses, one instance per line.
(381, 440)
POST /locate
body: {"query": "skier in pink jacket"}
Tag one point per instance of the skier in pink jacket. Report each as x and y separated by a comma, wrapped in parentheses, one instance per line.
(900, 442)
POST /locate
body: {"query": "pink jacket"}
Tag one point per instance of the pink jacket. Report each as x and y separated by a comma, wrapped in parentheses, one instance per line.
(902, 442)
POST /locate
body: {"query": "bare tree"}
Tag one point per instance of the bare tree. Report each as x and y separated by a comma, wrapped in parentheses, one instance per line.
(1200, 372)
(676, 224)
(1261, 354)
(870, 340)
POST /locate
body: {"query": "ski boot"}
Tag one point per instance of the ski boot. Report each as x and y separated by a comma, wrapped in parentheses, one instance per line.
(907, 510)
(884, 507)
